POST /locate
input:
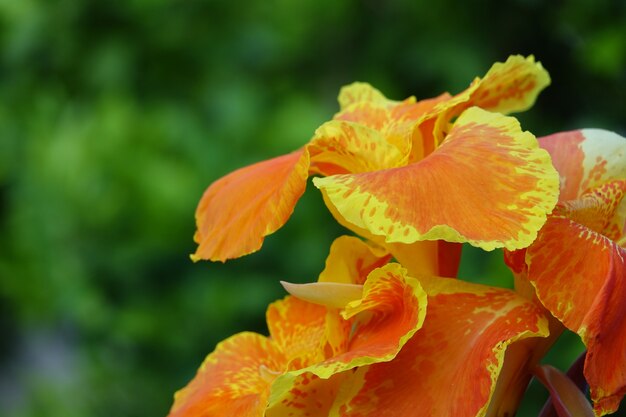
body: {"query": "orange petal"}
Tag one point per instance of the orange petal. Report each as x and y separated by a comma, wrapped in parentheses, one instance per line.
(580, 276)
(511, 86)
(341, 147)
(488, 184)
(351, 260)
(585, 158)
(450, 366)
(239, 210)
(303, 395)
(233, 380)
(371, 114)
(507, 87)
(391, 310)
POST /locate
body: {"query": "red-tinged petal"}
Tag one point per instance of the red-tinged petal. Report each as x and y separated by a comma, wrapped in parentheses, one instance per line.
(585, 158)
(450, 366)
(299, 329)
(488, 184)
(449, 258)
(580, 276)
(434, 257)
(234, 380)
(351, 260)
(341, 147)
(239, 210)
(567, 399)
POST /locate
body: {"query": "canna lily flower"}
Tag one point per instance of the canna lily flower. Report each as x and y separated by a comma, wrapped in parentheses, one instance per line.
(451, 365)
(297, 371)
(400, 173)
(367, 340)
(576, 266)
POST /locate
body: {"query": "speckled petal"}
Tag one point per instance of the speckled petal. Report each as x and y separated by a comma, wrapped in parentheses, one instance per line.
(299, 329)
(580, 276)
(489, 184)
(234, 380)
(512, 86)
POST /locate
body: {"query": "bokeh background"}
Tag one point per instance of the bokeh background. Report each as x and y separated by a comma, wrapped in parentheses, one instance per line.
(116, 115)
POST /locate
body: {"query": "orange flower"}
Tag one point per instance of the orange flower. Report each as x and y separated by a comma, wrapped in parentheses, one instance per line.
(402, 172)
(577, 264)
(298, 370)
(381, 356)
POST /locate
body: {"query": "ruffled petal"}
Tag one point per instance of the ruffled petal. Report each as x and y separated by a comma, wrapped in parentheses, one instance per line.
(450, 366)
(512, 86)
(488, 184)
(580, 276)
(585, 158)
(507, 87)
(390, 311)
(395, 307)
(237, 211)
(233, 380)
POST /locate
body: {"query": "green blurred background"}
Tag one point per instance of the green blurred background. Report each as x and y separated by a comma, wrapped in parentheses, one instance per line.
(116, 115)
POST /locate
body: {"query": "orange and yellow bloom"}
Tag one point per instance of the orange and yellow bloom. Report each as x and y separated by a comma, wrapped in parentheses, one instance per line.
(381, 159)
(387, 330)
(577, 262)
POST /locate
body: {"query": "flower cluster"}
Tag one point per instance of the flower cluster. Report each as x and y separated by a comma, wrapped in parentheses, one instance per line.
(388, 329)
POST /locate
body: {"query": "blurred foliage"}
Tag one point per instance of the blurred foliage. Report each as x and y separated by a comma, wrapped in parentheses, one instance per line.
(115, 116)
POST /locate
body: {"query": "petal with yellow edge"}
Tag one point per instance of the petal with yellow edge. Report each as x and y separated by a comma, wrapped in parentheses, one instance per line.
(585, 159)
(450, 366)
(391, 309)
(239, 210)
(507, 87)
(580, 276)
(512, 86)
(488, 184)
(233, 380)
(389, 312)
